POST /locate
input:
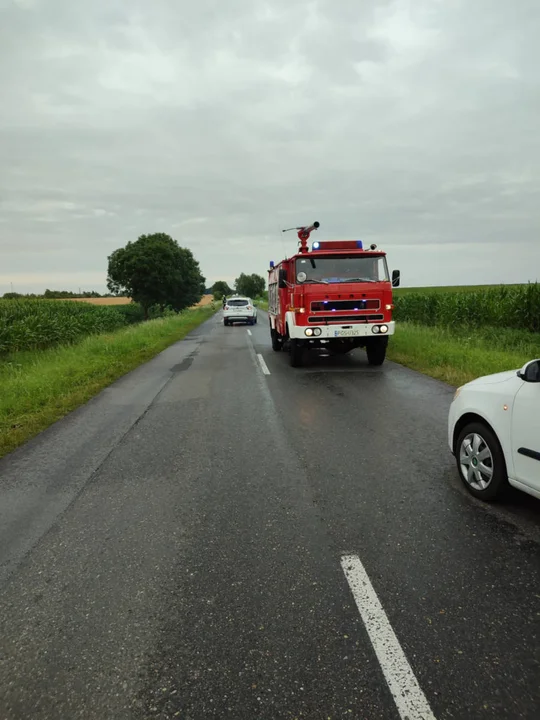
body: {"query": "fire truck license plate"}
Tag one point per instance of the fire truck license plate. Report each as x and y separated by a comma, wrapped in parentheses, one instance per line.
(348, 332)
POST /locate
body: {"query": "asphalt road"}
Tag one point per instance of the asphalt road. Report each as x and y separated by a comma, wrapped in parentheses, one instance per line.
(176, 548)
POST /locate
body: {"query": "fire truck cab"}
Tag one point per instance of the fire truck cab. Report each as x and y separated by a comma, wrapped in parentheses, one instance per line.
(334, 296)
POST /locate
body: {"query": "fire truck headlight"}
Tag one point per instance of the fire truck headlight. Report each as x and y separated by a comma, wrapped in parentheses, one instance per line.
(375, 329)
(317, 331)
(308, 332)
(384, 328)
(389, 307)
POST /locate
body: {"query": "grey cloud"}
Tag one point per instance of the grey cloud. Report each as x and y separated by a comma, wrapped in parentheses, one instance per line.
(413, 125)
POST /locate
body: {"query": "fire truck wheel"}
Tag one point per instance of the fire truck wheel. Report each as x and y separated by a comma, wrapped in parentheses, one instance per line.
(376, 350)
(276, 341)
(296, 353)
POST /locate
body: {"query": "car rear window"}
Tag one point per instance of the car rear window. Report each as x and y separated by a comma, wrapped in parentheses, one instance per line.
(237, 303)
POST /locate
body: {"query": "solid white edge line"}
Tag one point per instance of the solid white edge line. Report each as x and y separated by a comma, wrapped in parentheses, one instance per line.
(410, 701)
(263, 365)
(249, 332)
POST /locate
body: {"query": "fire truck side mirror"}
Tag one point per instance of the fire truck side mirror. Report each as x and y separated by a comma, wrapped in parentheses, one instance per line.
(396, 278)
(282, 279)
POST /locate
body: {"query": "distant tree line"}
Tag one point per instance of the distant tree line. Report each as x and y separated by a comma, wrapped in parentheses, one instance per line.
(55, 295)
(253, 286)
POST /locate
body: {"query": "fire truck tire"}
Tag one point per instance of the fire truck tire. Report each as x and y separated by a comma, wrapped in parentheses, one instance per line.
(376, 351)
(225, 322)
(276, 341)
(296, 353)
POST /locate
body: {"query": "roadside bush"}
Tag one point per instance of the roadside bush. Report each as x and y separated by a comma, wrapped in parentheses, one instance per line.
(156, 311)
(132, 312)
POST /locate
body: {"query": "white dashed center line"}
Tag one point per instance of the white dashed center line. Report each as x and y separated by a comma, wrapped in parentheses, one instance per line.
(249, 332)
(263, 365)
(410, 701)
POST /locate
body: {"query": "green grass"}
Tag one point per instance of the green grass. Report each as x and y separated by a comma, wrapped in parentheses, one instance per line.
(459, 333)
(261, 303)
(459, 355)
(40, 387)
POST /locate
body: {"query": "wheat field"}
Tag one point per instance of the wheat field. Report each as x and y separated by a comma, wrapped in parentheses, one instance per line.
(205, 300)
(99, 300)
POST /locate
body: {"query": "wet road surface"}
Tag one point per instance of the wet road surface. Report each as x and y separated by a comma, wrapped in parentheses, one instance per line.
(218, 535)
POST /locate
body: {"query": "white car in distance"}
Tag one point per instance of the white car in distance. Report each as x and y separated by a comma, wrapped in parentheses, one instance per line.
(494, 432)
(239, 309)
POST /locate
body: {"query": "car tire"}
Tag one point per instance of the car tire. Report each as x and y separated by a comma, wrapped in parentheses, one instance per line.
(484, 472)
(296, 353)
(225, 322)
(376, 350)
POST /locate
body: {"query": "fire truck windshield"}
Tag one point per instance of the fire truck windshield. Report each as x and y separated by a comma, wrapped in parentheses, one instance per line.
(341, 268)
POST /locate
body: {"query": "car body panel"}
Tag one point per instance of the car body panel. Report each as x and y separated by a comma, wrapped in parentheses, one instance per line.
(510, 405)
(526, 435)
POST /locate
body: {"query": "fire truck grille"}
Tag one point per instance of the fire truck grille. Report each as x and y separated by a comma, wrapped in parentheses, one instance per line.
(359, 304)
(325, 319)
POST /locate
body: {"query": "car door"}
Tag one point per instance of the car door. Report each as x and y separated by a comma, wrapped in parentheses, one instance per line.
(526, 434)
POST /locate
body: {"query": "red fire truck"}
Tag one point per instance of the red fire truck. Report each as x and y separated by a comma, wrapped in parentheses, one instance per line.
(335, 295)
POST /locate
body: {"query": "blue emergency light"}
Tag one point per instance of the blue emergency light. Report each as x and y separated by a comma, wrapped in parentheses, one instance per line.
(271, 263)
(316, 245)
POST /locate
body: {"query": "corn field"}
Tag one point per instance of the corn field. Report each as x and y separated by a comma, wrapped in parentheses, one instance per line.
(38, 324)
(505, 306)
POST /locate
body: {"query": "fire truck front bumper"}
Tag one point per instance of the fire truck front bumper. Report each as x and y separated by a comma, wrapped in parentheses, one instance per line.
(347, 330)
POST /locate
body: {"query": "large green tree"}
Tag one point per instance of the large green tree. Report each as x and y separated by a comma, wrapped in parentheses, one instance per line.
(251, 285)
(220, 289)
(155, 270)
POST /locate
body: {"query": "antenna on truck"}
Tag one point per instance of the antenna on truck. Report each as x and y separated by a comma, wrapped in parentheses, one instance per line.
(303, 234)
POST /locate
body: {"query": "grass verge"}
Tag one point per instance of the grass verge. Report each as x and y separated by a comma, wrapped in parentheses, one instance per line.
(457, 356)
(40, 387)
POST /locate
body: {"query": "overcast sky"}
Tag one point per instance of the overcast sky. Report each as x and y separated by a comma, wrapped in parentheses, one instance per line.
(414, 124)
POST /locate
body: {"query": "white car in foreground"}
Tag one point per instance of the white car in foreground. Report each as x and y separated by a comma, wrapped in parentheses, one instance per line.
(239, 309)
(494, 432)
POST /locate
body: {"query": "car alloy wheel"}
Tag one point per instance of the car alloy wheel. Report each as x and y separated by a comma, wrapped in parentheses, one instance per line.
(476, 461)
(480, 461)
